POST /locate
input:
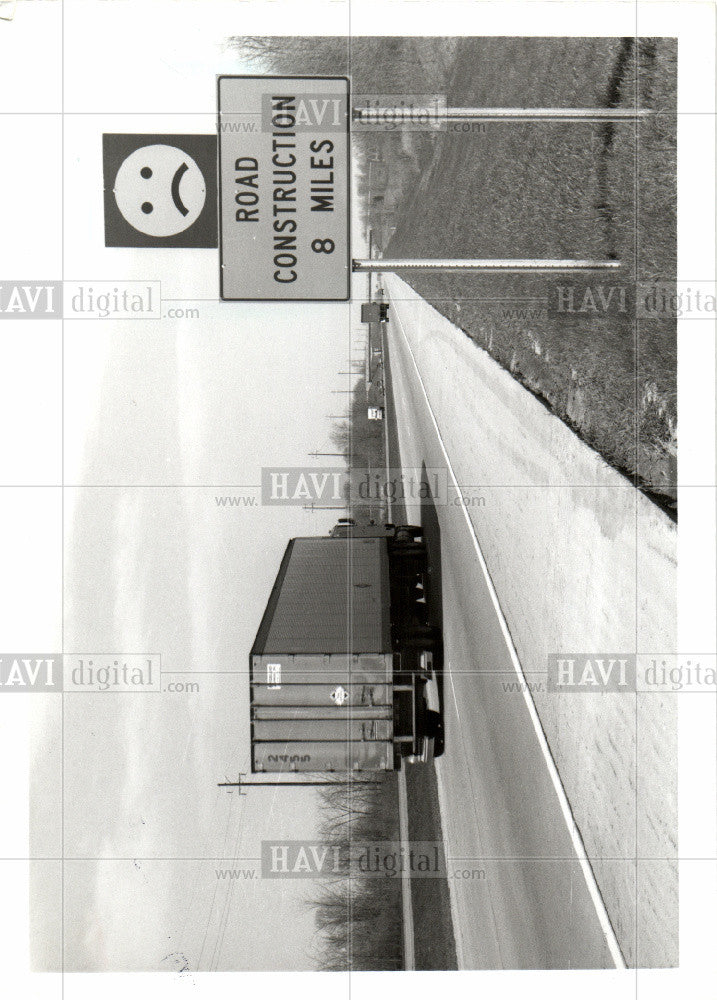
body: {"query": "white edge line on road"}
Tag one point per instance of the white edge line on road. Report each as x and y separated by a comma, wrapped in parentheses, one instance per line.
(443, 806)
(575, 835)
(409, 938)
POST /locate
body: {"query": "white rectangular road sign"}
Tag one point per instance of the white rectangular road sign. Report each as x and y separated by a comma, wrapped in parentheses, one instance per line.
(284, 226)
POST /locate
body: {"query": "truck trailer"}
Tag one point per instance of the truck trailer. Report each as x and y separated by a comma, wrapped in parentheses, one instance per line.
(343, 667)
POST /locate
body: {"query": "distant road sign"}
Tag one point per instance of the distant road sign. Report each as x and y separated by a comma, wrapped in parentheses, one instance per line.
(370, 312)
(284, 188)
(160, 190)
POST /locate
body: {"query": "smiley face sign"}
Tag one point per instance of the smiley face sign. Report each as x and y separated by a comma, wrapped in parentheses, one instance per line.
(160, 190)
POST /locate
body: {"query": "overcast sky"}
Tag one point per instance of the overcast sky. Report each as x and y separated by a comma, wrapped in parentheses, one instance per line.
(156, 414)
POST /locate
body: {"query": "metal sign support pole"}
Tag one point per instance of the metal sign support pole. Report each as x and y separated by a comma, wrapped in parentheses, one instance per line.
(427, 116)
(487, 266)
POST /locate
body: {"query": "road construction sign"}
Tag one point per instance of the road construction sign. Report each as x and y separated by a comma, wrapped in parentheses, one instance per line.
(284, 188)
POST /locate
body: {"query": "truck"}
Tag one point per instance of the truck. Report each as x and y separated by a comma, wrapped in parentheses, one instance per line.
(343, 669)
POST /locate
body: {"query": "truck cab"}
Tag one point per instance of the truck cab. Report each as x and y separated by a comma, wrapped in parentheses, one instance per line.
(418, 644)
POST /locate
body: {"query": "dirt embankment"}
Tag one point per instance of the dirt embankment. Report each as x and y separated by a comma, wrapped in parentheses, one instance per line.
(599, 191)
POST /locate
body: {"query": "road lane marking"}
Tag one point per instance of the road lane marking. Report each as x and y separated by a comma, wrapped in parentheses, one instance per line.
(574, 832)
(409, 948)
(443, 805)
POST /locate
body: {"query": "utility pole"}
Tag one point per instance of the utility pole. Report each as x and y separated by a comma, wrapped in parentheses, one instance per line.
(370, 246)
(296, 784)
(318, 506)
(233, 784)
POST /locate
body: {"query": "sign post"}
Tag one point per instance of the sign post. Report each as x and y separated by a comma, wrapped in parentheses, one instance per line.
(486, 265)
(284, 187)
(426, 116)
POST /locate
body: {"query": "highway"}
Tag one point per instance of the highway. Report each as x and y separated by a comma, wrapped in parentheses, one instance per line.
(503, 807)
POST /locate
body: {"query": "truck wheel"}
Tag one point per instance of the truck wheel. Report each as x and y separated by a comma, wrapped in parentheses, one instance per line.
(439, 742)
(423, 637)
(427, 633)
(420, 609)
(411, 550)
(408, 533)
(434, 726)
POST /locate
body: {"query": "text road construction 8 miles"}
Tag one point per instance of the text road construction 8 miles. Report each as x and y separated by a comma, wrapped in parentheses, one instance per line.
(284, 188)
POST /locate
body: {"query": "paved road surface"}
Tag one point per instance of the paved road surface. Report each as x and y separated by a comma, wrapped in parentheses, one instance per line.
(536, 905)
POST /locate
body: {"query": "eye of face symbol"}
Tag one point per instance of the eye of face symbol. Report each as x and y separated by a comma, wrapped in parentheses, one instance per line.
(160, 190)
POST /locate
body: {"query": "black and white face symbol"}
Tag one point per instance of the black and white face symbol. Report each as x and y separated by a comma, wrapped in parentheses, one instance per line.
(160, 190)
